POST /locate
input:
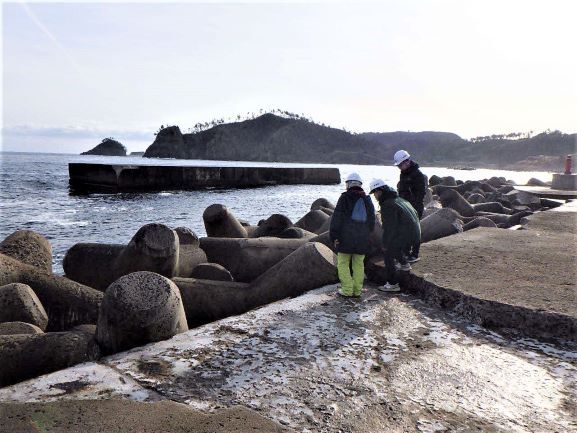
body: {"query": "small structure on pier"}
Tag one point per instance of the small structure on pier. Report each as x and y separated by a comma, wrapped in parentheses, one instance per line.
(566, 180)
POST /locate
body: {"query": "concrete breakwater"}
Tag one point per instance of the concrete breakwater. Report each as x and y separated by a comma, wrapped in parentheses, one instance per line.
(167, 280)
(113, 178)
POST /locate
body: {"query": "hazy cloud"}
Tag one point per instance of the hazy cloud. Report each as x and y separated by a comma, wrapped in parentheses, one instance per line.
(74, 131)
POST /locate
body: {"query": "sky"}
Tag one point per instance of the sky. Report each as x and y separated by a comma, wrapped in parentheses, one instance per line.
(75, 73)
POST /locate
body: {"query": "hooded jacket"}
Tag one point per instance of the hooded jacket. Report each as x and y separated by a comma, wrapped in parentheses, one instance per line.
(401, 227)
(353, 236)
(412, 187)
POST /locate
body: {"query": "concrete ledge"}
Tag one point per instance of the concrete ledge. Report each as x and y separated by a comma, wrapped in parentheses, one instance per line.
(547, 192)
(534, 323)
(126, 178)
(523, 279)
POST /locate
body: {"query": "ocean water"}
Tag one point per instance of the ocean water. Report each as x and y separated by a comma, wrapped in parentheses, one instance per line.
(34, 195)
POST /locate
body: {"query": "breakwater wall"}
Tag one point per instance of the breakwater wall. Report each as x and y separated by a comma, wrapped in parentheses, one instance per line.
(125, 178)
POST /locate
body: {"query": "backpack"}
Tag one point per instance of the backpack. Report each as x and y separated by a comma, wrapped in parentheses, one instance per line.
(359, 214)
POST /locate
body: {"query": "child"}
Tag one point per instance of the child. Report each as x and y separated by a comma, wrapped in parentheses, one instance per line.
(351, 224)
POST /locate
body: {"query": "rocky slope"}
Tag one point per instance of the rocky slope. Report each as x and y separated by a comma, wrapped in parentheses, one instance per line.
(267, 138)
(108, 147)
(274, 138)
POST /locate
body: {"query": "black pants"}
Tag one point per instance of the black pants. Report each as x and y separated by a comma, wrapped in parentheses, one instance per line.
(414, 250)
(389, 256)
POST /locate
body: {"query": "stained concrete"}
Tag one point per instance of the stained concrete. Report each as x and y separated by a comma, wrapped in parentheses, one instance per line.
(521, 279)
(320, 363)
(97, 416)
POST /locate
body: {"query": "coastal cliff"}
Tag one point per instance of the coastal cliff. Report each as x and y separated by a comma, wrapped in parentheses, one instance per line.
(267, 138)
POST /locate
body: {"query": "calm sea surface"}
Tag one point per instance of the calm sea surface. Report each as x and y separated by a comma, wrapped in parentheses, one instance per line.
(34, 195)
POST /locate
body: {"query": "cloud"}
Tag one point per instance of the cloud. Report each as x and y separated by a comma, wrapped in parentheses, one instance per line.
(74, 132)
(50, 36)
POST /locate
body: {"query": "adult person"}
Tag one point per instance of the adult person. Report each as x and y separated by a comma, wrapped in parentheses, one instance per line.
(351, 224)
(412, 187)
(400, 229)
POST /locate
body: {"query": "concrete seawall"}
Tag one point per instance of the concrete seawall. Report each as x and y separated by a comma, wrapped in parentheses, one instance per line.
(506, 279)
(124, 178)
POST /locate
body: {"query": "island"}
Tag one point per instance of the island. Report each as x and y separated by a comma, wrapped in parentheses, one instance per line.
(107, 147)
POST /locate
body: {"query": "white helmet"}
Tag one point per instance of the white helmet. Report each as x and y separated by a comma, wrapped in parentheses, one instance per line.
(400, 156)
(375, 184)
(354, 177)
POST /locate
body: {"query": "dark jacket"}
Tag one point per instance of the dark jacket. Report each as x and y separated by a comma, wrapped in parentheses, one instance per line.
(401, 227)
(412, 187)
(353, 236)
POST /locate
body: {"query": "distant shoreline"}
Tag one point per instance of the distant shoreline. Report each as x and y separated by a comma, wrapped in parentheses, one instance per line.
(449, 165)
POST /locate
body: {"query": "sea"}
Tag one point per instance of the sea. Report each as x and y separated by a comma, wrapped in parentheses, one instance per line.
(35, 195)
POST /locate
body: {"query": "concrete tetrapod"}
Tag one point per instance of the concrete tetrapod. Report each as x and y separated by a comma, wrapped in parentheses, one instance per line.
(476, 198)
(28, 247)
(328, 211)
(66, 302)
(19, 303)
(444, 222)
(325, 227)
(219, 222)
(24, 356)
(16, 328)
(461, 188)
(272, 226)
(189, 257)
(137, 309)
(322, 203)
(92, 264)
(296, 233)
(246, 259)
(375, 270)
(190, 253)
(154, 248)
(187, 237)
(505, 220)
(211, 271)
(312, 265)
(151, 249)
(479, 222)
(325, 239)
(491, 206)
(206, 300)
(313, 220)
(452, 199)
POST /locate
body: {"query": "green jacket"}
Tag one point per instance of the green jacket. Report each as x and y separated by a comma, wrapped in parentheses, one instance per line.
(401, 227)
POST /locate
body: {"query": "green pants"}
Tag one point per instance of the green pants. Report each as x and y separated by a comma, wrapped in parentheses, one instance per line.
(351, 285)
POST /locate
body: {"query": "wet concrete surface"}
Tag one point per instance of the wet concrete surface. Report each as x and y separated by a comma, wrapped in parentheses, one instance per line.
(319, 363)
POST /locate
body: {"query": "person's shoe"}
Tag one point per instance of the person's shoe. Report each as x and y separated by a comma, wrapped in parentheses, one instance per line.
(406, 267)
(342, 294)
(389, 288)
(357, 295)
(413, 259)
